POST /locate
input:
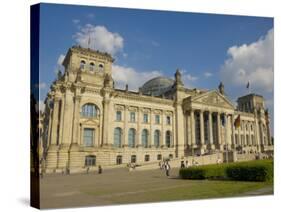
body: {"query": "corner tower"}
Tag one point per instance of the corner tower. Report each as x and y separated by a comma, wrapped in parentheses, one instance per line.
(87, 65)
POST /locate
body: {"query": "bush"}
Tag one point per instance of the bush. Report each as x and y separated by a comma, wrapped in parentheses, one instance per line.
(204, 172)
(249, 171)
(244, 171)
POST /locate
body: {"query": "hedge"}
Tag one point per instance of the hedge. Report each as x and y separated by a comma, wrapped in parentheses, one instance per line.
(204, 172)
(245, 171)
(259, 171)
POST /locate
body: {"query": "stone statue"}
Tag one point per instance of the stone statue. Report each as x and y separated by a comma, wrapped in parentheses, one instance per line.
(178, 80)
(221, 88)
(59, 74)
(108, 81)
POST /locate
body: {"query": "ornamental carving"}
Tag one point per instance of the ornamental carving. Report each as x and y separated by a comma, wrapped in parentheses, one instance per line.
(119, 107)
(133, 109)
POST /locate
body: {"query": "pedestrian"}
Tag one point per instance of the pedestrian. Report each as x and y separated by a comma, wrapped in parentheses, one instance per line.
(88, 169)
(186, 164)
(167, 168)
(100, 169)
(182, 164)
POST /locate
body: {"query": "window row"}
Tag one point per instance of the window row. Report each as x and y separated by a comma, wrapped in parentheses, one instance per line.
(90, 160)
(91, 66)
(89, 137)
(145, 118)
(144, 138)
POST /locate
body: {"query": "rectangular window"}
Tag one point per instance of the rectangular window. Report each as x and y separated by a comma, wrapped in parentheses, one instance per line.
(146, 158)
(88, 136)
(145, 118)
(118, 116)
(168, 120)
(157, 119)
(132, 117)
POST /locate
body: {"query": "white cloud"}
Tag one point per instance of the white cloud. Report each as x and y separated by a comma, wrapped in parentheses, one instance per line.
(208, 74)
(60, 59)
(76, 21)
(91, 15)
(127, 75)
(41, 85)
(252, 62)
(59, 65)
(155, 44)
(189, 77)
(100, 39)
(41, 106)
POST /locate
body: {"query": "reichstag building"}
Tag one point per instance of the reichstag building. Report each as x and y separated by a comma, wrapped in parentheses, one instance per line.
(88, 122)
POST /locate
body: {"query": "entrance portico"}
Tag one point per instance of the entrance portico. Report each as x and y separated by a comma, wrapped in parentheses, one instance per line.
(209, 120)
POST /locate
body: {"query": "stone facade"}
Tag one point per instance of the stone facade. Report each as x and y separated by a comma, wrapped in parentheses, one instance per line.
(89, 122)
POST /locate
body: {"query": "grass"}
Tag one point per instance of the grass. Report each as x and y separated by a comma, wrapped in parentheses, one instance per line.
(190, 190)
(123, 187)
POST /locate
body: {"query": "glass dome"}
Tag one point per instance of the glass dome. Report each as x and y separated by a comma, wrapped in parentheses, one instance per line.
(157, 86)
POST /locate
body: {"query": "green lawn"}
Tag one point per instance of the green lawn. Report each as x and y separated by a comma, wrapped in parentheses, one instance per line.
(190, 189)
(123, 187)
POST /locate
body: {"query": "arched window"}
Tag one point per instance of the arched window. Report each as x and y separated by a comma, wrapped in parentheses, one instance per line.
(157, 138)
(82, 64)
(144, 138)
(132, 137)
(89, 110)
(100, 67)
(117, 136)
(168, 138)
(90, 160)
(92, 66)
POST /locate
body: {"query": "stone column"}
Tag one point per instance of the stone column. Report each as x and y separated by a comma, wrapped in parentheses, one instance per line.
(126, 130)
(67, 117)
(188, 129)
(61, 122)
(192, 126)
(162, 133)
(105, 140)
(239, 135)
(211, 139)
(55, 118)
(226, 128)
(268, 133)
(138, 132)
(202, 136)
(76, 120)
(219, 130)
(150, 133)
(49, 128)
(233, 131)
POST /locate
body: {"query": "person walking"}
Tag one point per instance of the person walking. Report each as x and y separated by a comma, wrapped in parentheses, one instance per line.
(100, 169)
(186, 163)
(182, 165)
(167, 168)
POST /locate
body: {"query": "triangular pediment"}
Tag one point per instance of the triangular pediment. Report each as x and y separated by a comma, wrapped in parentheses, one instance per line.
(90, 121)
(213, 98)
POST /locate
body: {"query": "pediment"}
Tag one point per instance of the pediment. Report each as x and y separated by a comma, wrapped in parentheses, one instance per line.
(90, 121)
(213, 98)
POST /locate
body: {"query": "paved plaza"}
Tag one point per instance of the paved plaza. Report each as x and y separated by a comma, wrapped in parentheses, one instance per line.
(119, 186)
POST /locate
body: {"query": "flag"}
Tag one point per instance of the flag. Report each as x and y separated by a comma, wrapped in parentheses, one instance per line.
(89, 41)
(248, 85)
(237, 122)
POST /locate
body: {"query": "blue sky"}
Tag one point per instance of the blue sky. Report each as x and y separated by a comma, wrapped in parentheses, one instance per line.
(207, 48)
